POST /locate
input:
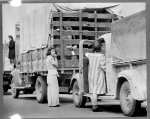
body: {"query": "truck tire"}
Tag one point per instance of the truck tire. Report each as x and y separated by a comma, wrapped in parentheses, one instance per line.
(129, 106)
(14, 91)
(41, 89)
(78, 98)
(5, 89)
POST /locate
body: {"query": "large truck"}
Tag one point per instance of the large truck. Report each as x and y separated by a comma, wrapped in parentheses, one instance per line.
(126, 69)
(61, 28)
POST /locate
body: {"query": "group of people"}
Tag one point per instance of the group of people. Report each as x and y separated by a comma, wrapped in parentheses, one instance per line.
(96, 74)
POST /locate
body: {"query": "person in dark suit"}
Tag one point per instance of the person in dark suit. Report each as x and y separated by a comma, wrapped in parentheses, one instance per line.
(11, 46)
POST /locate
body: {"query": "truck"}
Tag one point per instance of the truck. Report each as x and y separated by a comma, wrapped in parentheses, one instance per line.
(61, 28)
(125, 57)
(73, 33)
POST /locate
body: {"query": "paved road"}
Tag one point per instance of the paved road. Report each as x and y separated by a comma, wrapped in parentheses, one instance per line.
(27, 107)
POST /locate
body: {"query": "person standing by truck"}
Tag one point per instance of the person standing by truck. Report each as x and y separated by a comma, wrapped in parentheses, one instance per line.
(53, 88)
(96, 75)
(11, 47)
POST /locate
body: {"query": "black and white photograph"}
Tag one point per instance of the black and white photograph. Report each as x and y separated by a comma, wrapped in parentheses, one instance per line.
(74, 60)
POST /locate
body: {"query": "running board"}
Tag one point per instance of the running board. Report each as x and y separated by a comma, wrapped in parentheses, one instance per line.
(106, 97)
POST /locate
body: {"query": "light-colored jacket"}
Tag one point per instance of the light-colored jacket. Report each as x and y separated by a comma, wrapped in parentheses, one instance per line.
(52, 65)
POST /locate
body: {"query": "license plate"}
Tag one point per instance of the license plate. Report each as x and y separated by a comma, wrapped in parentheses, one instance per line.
(28, 85)
(63, 89)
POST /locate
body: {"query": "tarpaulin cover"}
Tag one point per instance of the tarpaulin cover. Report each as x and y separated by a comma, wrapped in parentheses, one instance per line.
(129, 38)
(35, 28)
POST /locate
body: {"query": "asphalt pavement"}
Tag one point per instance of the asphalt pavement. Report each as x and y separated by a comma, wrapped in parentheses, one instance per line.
(27, 107)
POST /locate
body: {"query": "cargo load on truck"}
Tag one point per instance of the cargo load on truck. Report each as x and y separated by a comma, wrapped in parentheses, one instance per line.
(61, 28)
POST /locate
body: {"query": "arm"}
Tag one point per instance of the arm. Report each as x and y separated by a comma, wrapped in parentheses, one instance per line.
(54, 62)
(12, 44)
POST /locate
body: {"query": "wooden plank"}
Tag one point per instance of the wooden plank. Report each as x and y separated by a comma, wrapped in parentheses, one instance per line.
(67, 32)
(35, 65)
(61, 41)
(99, 15)
(84, 24)
(88, 15)
(104, 16)
(73, 41)
(95, 24)
(76, 32)
(66, 23)
(56, 14)
(92, 33)
(40, 65)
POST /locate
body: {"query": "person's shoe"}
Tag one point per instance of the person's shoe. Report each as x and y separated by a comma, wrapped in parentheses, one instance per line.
(56, 106)
(95, 108)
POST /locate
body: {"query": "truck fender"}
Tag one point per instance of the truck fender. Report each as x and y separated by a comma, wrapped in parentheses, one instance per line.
(74, 78)
(137, 83)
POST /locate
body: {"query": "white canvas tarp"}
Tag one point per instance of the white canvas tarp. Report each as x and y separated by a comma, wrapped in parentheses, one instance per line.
(35, 28)
(129, 38)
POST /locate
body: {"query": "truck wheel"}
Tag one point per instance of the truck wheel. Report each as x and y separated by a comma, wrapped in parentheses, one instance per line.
(78, 98)
(41, 89)
(129, 106)
(14, 92)
(5, 89)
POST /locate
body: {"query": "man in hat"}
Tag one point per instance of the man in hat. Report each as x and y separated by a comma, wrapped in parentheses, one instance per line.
(11, 46)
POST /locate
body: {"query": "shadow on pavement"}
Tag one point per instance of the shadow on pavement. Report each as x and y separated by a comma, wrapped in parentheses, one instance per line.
(117, 109)
(65, 100)
(27, 98)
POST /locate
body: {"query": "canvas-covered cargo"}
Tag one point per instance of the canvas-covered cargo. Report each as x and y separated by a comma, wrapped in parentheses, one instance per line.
(51, 25)
(34, 28)
(129, 38)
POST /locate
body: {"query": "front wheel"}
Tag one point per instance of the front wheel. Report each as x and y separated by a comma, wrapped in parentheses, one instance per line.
(129, 106)
(78, 98)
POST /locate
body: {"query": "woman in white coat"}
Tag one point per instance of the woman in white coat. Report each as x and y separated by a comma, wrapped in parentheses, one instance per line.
(52, 81)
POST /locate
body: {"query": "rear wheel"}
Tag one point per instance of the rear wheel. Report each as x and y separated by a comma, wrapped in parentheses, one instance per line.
(129, 106)
(41, 89)
(78, 98)
(5, 88)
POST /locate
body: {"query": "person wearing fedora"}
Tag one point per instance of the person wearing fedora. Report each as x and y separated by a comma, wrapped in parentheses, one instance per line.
(11, 46)
(52, 81)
